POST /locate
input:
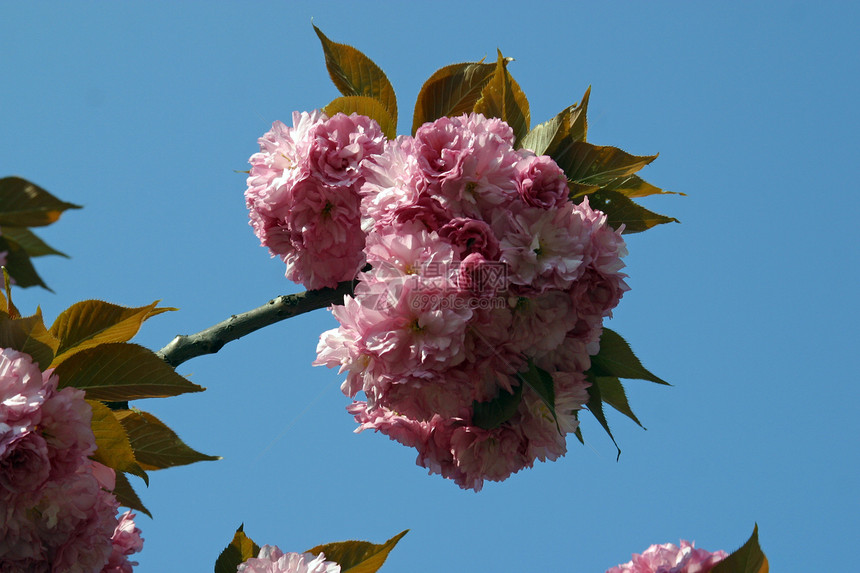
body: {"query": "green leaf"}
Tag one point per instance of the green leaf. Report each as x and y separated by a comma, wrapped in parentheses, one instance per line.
(113, 447)
(541, 382)
(597, 164)
(634, 186)
(89, 323)
(354, 74)
(8, 305)
(358, 556)
(155, 445)
(578, 432)
(621, 210)
(616, 358)
(503, 98)
(492, 414)
(367, 106)
(23, 204)
(30, 336)
(595, 406)
(118, 371)
(19, 266)
(240, 550)
(555, 136)
(451, 91)
(30, 242)
(612, 392)
(126, 496)
(748, 559)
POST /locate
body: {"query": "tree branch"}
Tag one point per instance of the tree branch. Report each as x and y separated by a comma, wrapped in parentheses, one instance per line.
(187, 346)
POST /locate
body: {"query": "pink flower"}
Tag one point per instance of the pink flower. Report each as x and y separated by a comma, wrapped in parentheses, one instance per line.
(76, 520)
(56, 509)
(425, 210)
(272, 560)
(440, 149)
(126, 540)
(468, 161)
(541, 323)
(540, 182)
(303, 196)
(22, 393)
(325, 240)
(487, 454)
(470, 236)
(545, 248)
(668, 558)
(545, 433)
(392, 181)
(65, 424)
(340, 144)
(25, 465)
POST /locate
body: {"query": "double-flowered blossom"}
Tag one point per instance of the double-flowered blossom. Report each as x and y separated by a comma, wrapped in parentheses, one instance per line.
(303, 196)
(480, 270)
(668, 558)
(57, 512)
(272, 560)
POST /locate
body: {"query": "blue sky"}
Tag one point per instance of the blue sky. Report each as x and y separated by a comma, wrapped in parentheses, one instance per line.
(142, 112)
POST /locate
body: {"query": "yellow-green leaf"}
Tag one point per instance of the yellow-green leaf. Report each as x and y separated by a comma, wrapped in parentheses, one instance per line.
(354, 74)
(30, 336)
(578, 190)
(30, 242)
(612, 392)
(155, 445)
(634, 186)
(541, 382)
(503, 98)
(118, 371)
(92, 322)
(748, 559)
(451, 91)
(126, 496)
(358, 556)
(555, 136)
(19, 266)
(7, 284)
(24, 204)
(363, 105)
(113, 448)
(597, 164)
(621, 210)
(616, 358)
(237, 552)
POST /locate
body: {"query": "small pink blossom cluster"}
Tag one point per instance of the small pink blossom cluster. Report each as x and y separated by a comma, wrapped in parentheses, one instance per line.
(480, 269)
(272, 560)
(668, 558)
(303, 194)
(57, 512)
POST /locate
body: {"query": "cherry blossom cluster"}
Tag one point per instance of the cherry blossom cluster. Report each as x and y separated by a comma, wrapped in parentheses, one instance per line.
(272, 560)
(303, 194)
(476, 269)
(57, 512)
(668, 558)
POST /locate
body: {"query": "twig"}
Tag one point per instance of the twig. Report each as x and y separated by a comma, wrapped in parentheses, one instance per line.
(187, 346)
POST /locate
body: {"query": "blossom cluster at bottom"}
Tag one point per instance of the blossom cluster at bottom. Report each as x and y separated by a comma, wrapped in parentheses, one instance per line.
(668, 558)
(57, 512)
(272, 560)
